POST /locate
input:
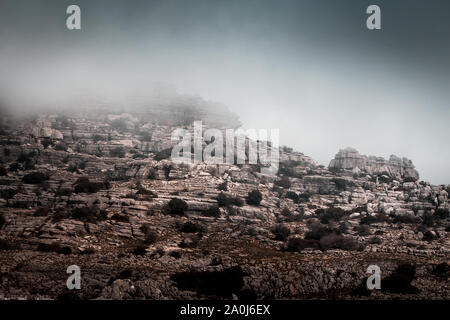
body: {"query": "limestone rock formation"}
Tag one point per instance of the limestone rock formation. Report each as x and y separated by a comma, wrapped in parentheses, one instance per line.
(395, 167)
(104, 194)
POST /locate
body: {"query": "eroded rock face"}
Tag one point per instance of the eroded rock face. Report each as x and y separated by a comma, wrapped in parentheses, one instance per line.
(395, 167)
(119, 230)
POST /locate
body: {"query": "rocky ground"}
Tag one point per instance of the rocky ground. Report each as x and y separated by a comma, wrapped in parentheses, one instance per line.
(99, 190)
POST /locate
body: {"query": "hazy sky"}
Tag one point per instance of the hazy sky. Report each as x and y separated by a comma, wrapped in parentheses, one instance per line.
(310, 68)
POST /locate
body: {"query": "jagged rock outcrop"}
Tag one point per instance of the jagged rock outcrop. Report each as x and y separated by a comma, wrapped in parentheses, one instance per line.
(395, 167)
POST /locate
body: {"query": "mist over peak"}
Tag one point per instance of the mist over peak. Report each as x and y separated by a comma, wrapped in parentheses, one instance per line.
(311, 69)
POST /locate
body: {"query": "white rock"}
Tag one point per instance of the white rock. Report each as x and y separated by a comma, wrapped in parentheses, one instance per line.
(354, 215)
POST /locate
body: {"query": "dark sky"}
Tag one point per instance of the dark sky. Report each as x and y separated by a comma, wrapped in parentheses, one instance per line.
(310, 68)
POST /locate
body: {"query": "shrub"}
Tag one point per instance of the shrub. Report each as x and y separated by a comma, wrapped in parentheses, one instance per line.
(159, 252)
(25, 157)
(167, 168)
(223, 186)
(60, 147)
(120, 218)
(42, 212)
(192, 227)
(317, 232)
(287, 169)
(294, 244)
(2, 221)
(374, 240)
(6, 245)
(144, 191)
(14, 167)
(35, 178)
(222, 283)
(146, 136)
(8, 193)
(177, 206)
(442, 213)
(98, 138)
(237, 201)
(45, 185)
(163, 154)
(343, 227)
(284, 182)
(63, 120)
(175, 254)
(213, 211)
(304, 197)
(66, 250)
(6, 152)
(277, 190)
(73, 168)
(60, 215)
(145, 228)
(190, 242)
(400, 280)
(254, 198)
(335, 241)
(117, 152)
(381, 217)
(286, 212)
(293, 196)
(363, 230)
(250, 231)
(358, 209)
(421, 228)
(288, 216)
(226, 200)
(29, 165)
(281, 232)
(88, 214)
(428, 219)
(48, 247)
(3, 171)
(429, 236)
(66, 192)
(139, 250)
(152, 174)
(37, 192)
(342, 184)
(84, 185)
(150, 235)
(119, 124)
(89, 250)
(328, 214)
(441, 269)
(406, 219)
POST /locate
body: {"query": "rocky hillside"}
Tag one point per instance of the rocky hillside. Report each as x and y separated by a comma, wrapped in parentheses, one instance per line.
(98, 189)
